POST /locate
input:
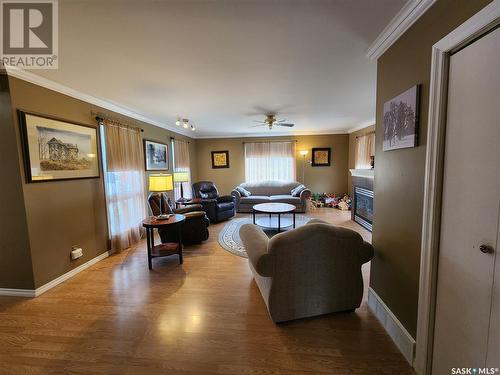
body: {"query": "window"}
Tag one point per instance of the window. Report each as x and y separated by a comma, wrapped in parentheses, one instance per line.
(182, 164)
(123, 166)
(365, 149)
(270, 161)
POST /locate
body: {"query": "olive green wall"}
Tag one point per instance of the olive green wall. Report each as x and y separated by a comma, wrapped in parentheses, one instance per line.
(352, 148)
(61, 214)
(331, 179)
(399, 176)
(15, 258)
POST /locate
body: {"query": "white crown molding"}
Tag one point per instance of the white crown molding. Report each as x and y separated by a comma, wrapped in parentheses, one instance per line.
(360, 127)
(270, 135)
(406, 17)
(401, 337)
(118, 108)
(31, 293)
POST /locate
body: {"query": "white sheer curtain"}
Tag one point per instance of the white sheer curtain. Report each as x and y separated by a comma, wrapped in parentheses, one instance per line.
(182, 164)
(270, 161)
(124, 181)
(365, 148)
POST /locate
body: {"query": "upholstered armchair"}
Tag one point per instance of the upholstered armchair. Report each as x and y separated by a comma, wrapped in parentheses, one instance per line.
(194, 229)
(218, 208)
(312, 270)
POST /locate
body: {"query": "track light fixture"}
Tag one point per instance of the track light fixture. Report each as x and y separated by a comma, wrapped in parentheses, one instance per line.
(184, 122)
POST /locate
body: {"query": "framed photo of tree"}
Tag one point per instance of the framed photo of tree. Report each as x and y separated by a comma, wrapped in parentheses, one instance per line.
(56, 149)
(401, 120)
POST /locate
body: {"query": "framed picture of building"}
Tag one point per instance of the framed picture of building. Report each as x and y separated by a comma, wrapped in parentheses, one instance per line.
(321, 157)
(56, 149)
(220, 159)
(155, 156)
(401, 120)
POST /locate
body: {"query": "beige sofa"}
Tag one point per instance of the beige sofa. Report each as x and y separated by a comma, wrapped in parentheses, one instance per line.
(270, 192)
(308, 271)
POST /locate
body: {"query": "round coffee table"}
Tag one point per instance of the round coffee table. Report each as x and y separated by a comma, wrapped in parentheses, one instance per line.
(270, 209)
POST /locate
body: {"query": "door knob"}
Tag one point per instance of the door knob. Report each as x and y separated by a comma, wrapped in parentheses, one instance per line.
(486, 249)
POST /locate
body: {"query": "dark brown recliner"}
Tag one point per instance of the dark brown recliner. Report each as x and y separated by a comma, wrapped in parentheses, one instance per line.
(217, 207)
(194, 229)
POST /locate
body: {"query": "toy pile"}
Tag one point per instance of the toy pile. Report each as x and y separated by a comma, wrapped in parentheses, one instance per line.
(331, 200)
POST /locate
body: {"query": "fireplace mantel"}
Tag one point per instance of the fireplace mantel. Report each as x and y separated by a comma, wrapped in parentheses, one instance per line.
(367, 173)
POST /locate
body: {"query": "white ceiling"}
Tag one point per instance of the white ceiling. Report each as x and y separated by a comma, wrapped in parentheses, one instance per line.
(223, 63)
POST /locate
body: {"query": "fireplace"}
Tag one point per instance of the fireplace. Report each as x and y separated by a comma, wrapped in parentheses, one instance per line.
(363, 207)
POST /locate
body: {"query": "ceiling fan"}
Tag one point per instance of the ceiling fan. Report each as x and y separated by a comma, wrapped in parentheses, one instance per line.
(271, 121)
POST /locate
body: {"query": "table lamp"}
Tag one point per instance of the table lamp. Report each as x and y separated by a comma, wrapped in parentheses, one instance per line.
(181, 177)
(158, 184)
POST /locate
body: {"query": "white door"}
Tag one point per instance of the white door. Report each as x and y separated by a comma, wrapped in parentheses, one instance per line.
(470, 212)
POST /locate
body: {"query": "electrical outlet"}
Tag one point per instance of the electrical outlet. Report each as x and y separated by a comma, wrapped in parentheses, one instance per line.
(76, 252)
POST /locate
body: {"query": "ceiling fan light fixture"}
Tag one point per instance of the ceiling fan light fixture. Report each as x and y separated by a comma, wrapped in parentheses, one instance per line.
(193, 128)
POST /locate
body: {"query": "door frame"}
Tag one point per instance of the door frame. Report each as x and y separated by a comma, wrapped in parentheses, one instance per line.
(477, 25)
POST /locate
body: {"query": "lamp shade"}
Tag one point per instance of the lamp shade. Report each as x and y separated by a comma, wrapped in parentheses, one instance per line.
(303, 152)
(181, 176)
(160, 183)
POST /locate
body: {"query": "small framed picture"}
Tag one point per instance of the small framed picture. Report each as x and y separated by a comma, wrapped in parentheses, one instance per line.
(321, 157)
(56, 149)
(155, 156)
(220, 159)
(401, 120)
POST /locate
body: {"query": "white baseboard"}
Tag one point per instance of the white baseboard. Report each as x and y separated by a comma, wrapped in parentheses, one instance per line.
(30, 293)
(403, 340)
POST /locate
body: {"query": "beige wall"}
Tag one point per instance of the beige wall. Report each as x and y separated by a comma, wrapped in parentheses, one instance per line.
(399, 176)
(352, 148)
(15, 258)
(61, 214)
(318, 179)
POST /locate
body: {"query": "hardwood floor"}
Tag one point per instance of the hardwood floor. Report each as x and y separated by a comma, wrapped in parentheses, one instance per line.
(204, 317)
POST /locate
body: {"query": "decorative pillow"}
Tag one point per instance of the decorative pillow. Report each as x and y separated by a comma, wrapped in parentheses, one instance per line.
(243, 192)
(297, 190)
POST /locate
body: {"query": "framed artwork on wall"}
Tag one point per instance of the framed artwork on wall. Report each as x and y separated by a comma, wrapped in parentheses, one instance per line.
(56, 149)
(220, 159)
(155, 156)
(321, 157)
(401, 120)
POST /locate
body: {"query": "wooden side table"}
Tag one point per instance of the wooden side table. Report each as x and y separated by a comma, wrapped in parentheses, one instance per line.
(165, 249)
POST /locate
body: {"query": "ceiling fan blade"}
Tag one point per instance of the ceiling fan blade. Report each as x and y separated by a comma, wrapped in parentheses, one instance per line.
(259, 121)
(282, 120)
(256, 126)
(288, 125)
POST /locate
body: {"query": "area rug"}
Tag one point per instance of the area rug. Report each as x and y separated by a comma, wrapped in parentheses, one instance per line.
(229, 236)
